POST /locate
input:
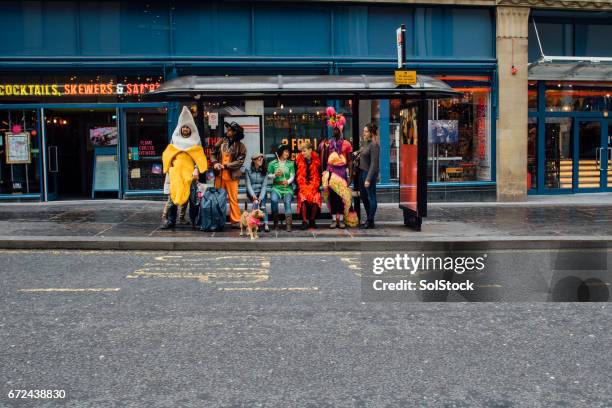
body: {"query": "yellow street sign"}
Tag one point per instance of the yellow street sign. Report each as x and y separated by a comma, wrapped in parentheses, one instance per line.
(405, 77)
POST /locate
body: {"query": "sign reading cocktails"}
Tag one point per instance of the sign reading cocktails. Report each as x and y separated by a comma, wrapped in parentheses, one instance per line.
(75, 89)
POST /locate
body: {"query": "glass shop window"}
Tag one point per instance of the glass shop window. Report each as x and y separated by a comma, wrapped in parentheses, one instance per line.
(578, 96)
(19, 152)
(532, 95)
(147, 137)
(532, 149)
(459, 132)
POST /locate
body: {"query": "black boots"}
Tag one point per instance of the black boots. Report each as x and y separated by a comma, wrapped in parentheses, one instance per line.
(166, 225)
(367, 225)
(275, 217)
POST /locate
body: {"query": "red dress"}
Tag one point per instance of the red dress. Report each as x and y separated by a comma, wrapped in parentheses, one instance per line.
(308, 180)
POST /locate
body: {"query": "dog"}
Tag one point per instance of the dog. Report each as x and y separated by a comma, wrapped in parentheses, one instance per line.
(250, 221)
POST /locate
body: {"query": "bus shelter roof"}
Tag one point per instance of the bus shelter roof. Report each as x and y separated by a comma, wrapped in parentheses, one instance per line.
(338, 86)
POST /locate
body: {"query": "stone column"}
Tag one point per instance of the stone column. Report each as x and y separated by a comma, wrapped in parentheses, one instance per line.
(512, 24)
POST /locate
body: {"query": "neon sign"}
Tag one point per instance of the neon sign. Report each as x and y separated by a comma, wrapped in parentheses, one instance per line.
(77, 89)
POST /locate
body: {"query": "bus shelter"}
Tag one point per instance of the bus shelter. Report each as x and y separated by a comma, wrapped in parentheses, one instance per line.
(413, 146)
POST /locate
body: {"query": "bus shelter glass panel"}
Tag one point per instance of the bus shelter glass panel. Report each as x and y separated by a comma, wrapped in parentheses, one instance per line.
(19, 152)
(294, 122)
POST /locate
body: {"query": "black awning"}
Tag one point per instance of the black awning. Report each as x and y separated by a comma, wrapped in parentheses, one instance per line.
(259, 87)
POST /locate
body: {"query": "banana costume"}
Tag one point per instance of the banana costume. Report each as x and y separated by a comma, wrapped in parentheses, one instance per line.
(181, 157)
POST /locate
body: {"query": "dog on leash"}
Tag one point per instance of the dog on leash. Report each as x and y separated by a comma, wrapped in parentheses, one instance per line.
(250, 221)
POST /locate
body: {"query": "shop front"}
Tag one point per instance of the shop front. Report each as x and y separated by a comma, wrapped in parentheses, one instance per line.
(569, 137)
(80, 136)
(84, 64)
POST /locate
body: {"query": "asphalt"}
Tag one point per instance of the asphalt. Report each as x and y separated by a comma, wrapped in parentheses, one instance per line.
(134, 225)
(184, 329)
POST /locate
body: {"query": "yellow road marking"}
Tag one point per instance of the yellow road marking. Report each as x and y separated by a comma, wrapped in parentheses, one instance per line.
(246, 269)
(70, 290)
(208, 277)
(262, 289)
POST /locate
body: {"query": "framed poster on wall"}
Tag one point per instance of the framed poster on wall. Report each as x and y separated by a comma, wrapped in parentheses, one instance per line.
(18, 149)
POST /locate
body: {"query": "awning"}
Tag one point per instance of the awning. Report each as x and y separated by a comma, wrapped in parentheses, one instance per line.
(550, 68)
(260, 87)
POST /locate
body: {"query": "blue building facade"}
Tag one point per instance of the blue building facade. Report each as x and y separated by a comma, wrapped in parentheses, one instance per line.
(74, 122)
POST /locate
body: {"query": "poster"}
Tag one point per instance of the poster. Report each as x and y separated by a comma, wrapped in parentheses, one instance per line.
(409, 159)
(106, 176)
(156, 168)
(252, 134)
(443, 131)
(213, 120)
(133, 154)
(146, 148)
(103, 136)
(18, 148)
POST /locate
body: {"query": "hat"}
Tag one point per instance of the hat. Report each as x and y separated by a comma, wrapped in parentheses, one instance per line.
(234, 126)
(183, 143)
(335, 120)
(256, 156)
(238, 130)
(281, 147)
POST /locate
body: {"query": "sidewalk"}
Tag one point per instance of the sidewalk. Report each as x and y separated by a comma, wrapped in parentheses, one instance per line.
(116, 224)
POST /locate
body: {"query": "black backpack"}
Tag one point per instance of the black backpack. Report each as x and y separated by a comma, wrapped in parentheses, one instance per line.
(213, 210)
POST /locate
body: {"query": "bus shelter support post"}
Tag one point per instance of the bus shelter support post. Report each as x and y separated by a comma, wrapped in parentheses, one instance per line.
(355, 143)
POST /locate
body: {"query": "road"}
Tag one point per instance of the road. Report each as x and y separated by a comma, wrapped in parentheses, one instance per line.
(153, 329)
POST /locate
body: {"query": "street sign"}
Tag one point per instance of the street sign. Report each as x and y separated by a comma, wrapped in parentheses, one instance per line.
(403, 77)
(400, 35)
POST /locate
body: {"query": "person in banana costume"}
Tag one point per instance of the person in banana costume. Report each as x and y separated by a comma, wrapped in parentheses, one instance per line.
(183, 161)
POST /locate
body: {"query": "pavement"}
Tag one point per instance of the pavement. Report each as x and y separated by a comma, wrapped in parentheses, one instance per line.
(541, 222)
(135, 329)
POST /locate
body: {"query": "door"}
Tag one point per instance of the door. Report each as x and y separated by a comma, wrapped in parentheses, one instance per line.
(50, 162)
(591, 151)
(80, 153)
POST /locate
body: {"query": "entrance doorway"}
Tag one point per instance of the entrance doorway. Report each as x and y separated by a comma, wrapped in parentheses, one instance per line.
(577, 154)
(80, 145)
(593, 153)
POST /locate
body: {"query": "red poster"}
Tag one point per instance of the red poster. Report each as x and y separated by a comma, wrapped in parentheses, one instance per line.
(409, 159)
(408, 176)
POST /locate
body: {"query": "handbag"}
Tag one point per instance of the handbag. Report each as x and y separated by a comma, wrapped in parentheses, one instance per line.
(355, 162)
(351, 219)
